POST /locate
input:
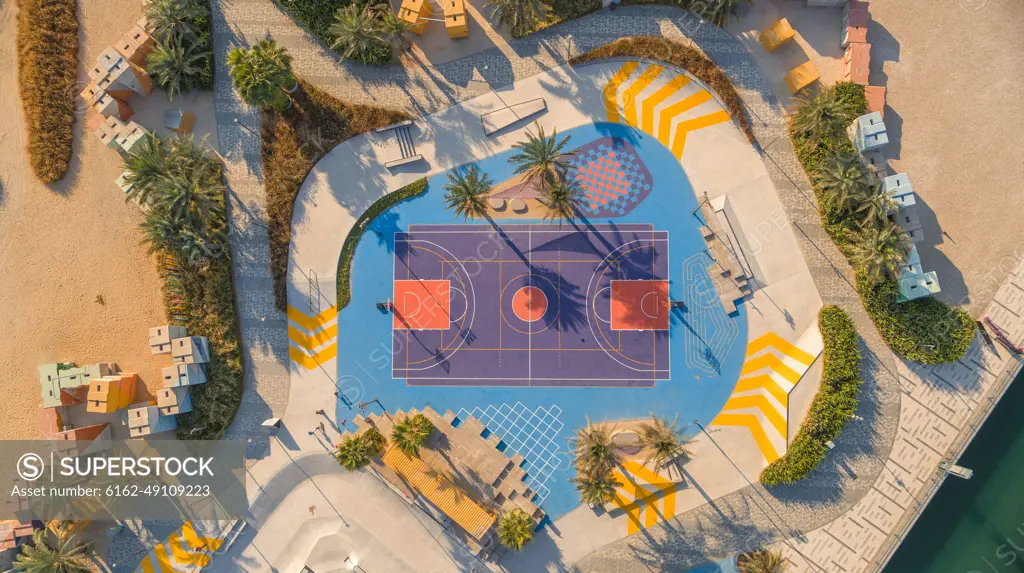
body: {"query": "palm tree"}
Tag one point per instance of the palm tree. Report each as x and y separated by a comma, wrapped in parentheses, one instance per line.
(880, 251)
(177, 64)
(262, 73)
(393, 30)
(592, 446)
(466, 192)
(563, 199)
(170, 17)
(356, 30)
(146, 167)
(762, 561)
(541, 156)
(596, 488)
(376, 439)
(515, 529)
(844, 182)
(521, 16)
(821, 116)
(354, 452)
(197, 245)
(875, 207)
(411, 433)
(67, 556)
(719, 11)
(665, 442)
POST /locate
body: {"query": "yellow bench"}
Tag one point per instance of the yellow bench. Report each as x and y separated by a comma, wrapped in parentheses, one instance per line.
(777, 34)
(802, 76)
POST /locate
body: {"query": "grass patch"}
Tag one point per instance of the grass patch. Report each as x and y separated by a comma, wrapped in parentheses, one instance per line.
(348, 249)
(685, 57)
(293, 141)
(833, 406)
(925, 330)
(47, 72)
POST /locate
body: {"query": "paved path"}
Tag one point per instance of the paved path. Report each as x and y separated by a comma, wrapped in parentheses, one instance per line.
(852, 477)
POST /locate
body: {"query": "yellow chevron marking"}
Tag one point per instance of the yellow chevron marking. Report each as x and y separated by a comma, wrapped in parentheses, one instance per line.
(199, 543)
(750, 422)
(763, 381)
(773, 362)
(680, 107)
(611, 104)
(162, 560)
(310, 342)
(310, 362)
(684, 128)
(774, 340)
(634, 89)
(146, 565)
(646, 474)
(669, 505)
(764, 405)
(311, 322)
(185, 557)
(663, 93)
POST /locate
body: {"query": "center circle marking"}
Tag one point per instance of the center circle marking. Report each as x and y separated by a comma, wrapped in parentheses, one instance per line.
(529, 304)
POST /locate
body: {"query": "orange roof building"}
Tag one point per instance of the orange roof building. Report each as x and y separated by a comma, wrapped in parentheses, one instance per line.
(415, 12)
(13, 532)
(111, 393)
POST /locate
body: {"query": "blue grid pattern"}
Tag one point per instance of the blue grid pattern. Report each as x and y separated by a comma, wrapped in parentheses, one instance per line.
(709, 333)
(613, 178)
(530, 433)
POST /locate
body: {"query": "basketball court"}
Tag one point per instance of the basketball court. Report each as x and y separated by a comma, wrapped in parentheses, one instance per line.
(531, 305)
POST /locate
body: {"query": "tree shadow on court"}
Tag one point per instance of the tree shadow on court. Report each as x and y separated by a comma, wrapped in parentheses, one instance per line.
(678, 316)
(384, 227)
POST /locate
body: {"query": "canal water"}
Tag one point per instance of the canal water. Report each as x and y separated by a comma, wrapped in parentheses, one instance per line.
(976, 526)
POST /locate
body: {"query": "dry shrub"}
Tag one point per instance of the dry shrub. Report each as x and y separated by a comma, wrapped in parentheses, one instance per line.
(47, 72)
(685, 57)
(293, 141)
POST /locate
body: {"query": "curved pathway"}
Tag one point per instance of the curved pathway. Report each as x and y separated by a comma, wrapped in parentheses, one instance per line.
(852, 477)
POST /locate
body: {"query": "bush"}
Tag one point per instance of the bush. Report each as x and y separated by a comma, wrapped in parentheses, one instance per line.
(47, 72)
(293, 142)
(833, 406)
(204, 80)
(318, 16)
(925, 330)
(348, 250)
(205, 303)
(685, 57)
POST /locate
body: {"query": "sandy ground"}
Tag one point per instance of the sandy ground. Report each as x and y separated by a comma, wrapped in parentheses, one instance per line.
(61, 246)
(953, 116)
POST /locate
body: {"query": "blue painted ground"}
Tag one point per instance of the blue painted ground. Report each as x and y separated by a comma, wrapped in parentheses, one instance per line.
(707, 347)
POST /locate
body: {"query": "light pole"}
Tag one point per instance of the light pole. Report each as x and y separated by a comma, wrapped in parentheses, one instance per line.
(765, 511)
(245, 127)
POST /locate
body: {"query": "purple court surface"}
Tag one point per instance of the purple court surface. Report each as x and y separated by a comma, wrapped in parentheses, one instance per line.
(530, 305)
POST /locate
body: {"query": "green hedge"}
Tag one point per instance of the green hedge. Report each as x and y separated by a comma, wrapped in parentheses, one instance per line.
(348, 250)
(833, 406)
(925, 330)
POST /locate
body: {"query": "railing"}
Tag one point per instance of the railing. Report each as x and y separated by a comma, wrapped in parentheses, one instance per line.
(964, 438)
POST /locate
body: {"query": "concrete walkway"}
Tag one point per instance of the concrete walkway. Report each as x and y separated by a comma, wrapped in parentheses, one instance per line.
(853, 475)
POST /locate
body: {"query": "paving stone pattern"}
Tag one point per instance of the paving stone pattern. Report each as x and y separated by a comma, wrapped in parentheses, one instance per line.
(837, 519)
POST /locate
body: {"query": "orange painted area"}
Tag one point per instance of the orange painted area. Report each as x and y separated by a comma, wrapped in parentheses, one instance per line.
(422, 305)
(529, 304)
(640, 305)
